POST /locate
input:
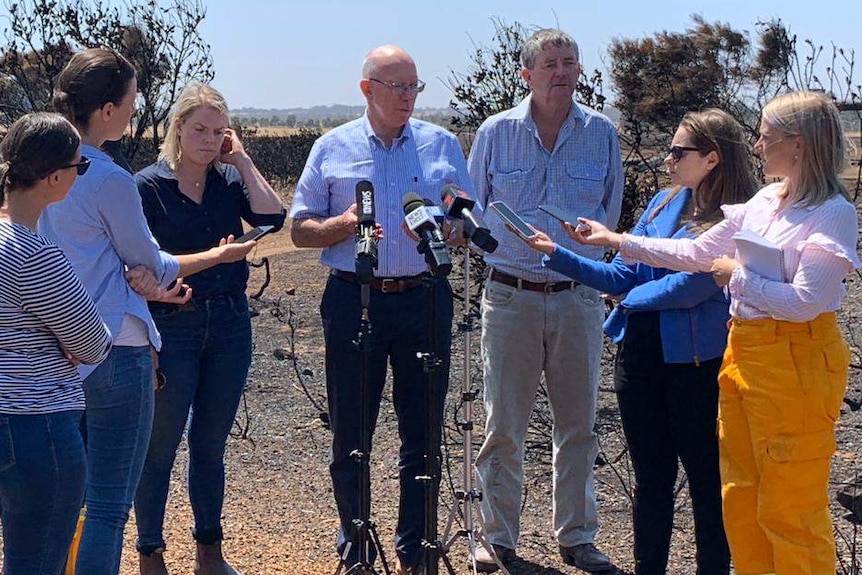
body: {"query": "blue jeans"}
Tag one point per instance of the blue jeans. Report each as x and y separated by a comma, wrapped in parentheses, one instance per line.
(205, 357)
(399, 330)
(42, 474)
(119, 418)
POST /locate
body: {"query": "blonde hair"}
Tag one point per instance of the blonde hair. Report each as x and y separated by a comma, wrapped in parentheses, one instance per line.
(192, 98)
(814, 119)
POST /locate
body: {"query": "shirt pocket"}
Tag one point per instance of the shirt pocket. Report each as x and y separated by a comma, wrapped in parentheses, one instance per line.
(515, 186)
(585, 183)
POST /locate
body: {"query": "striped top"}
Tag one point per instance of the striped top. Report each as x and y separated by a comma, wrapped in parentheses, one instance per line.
(422, 160)
(583, 175)
(43, 306)
(819, 244)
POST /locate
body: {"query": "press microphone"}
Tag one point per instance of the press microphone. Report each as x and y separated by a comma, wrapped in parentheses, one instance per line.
(421, 221)
(459, 205)
(436, 211)
(366, 236)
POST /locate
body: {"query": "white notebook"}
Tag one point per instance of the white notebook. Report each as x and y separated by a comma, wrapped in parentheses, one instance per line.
(760, 255)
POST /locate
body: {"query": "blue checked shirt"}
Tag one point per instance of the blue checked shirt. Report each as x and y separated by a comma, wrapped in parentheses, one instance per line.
(422, 160)
(583, 176)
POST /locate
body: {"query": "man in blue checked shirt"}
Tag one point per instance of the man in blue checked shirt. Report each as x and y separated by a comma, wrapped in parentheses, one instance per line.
(398, 155)
(546, 150)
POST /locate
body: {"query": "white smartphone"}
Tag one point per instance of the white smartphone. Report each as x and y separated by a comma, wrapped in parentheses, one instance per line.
(253, 234)
(514, 221)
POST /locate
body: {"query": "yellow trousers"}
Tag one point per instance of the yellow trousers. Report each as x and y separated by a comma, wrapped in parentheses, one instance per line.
(781, 387)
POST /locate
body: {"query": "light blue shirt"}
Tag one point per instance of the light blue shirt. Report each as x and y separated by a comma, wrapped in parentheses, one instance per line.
(422, 160)
(100, 227)
(583, 175)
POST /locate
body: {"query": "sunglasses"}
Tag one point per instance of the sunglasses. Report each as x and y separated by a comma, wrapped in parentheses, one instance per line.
(81, 167)
(677, 152)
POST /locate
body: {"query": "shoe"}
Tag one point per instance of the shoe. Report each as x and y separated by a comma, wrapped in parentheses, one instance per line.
(404, 569)
(486, 564)
(209, 561)
(586, 558)
(153, 564)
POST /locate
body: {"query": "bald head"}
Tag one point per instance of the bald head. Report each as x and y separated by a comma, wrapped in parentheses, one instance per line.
(382, 57)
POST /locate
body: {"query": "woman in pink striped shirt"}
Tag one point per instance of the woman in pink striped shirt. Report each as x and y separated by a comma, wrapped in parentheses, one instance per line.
(785, 368)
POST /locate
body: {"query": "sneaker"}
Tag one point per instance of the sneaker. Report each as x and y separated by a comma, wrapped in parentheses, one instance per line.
(586, 558)
(485, 562)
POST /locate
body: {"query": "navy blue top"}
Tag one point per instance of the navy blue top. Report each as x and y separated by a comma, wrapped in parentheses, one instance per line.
(693, 310)
(183, 227)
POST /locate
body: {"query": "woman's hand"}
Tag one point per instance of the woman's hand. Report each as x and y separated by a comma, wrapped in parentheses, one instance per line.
(228, 251)
(722, 268)
(179, 293)
(142, 281)
(592, 233)
(232, 150)
(541, 241)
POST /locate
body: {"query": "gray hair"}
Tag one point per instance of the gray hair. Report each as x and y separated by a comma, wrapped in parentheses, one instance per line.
(541, 39)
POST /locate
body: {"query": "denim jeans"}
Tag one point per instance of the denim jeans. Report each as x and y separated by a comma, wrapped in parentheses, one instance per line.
(119, 419)
(205, 357)
(669, 413)
(400, 328)
(42, 474)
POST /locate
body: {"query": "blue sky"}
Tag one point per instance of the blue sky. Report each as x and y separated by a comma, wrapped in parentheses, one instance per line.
(296, 53)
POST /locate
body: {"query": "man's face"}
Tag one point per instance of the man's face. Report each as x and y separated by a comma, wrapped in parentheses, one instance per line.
(391, 93)
(554, 76)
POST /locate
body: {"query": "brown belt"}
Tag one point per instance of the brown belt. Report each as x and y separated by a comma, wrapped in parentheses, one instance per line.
(384, 285)
(546, 287)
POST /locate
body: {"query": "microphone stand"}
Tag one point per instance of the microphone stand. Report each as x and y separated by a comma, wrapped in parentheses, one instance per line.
(469, 497)
(364, 528)
(433, 548)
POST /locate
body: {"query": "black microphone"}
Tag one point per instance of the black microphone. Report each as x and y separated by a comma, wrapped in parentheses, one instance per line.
(421, 221)
(459, 205)
(366, 236)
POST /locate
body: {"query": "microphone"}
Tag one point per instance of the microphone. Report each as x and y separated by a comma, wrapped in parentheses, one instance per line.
(366, 237)
(435, 210)
(421, 221)
(459, 205)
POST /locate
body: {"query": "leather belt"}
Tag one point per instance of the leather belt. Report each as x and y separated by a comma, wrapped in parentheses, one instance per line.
(384, 285)
(545, 287)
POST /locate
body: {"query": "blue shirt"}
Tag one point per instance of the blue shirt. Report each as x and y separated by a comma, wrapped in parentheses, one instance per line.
(185, 227)
(583, 175)
(101, 228)
(693, 310)
(422, 160)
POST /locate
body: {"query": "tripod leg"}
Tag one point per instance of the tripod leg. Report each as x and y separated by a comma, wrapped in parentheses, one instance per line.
(454, 513)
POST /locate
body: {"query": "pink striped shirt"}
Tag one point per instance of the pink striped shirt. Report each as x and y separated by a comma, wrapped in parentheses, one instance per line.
(819, 245)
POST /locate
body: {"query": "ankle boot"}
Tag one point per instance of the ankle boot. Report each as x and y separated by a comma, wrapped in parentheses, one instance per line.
(209, 561)
(153, 564)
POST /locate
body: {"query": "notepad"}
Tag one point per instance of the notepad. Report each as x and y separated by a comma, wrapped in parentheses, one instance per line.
(759, 255)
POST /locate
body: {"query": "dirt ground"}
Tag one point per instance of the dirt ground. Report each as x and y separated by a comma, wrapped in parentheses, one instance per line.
(279, 516)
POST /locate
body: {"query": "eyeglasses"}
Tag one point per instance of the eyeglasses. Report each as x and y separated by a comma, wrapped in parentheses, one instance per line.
(81, 167)
(677, 152)
(402, 89)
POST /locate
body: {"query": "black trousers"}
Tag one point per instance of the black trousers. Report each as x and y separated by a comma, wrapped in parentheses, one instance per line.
(669, 414)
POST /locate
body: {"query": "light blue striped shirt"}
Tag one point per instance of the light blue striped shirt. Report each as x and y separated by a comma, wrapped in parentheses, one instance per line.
(583, 176)
(422, 160)
(100, 227)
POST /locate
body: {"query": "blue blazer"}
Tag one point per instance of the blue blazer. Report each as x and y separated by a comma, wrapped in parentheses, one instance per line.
(693, 310)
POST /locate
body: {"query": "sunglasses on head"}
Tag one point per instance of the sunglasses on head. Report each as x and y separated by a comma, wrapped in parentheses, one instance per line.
(80, 167)
(677, 152)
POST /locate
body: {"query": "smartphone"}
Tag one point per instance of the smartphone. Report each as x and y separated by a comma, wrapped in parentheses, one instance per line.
(558, 213)
(254, 234)
(226, 145)
(513, 220)
(564, 217)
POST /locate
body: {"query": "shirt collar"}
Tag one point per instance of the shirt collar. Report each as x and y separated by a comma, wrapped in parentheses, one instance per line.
(94, 153)
(522, 112)
(406, 133)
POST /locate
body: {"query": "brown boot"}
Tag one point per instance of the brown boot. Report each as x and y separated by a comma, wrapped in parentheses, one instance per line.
(153, 564)
(209, 561)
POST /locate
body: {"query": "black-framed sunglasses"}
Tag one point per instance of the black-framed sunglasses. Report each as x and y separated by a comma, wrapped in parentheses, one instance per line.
(403, 89)
(677, 152)
(80, 167)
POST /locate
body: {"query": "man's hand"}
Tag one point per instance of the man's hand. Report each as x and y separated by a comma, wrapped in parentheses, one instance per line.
(142, 281)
